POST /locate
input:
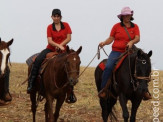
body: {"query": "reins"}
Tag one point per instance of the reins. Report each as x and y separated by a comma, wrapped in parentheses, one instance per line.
(129, 64)
(98, 56)
(135, 76)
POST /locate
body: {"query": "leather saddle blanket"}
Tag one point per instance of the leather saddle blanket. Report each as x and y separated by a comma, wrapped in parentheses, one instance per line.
(118, 64)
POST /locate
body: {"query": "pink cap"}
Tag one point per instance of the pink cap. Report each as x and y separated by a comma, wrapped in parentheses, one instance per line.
(125, 11)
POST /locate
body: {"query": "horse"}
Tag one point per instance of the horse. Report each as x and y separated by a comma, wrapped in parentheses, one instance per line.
(128, 82)
(59, 75)
(4, 70)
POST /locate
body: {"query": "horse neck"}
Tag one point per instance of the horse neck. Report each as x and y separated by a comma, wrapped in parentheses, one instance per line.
(59, 62)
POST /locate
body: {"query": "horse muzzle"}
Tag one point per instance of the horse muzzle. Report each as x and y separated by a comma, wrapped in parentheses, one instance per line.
(142, 87)
(73, 81)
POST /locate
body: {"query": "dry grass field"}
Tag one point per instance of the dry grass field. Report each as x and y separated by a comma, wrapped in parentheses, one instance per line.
(86, 109)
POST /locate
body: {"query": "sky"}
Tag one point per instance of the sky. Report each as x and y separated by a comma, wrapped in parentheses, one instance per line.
(91, 21)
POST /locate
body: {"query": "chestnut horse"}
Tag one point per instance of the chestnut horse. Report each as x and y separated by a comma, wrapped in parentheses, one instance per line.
(60, 74)
(129, 82)
(4, 69)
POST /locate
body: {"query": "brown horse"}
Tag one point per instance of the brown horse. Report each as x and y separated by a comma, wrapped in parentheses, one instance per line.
(4, 71)
(60, 74)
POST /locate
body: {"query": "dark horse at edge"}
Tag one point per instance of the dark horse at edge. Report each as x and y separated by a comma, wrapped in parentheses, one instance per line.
(60, 74)
(128, 82)
(5, 95)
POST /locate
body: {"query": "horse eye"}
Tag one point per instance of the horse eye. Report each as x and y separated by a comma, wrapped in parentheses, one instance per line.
(144, 62)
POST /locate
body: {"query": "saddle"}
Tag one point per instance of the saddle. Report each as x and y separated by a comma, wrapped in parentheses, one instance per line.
(118, 64)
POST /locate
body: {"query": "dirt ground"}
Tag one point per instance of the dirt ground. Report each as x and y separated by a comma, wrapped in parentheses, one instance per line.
(86, 109)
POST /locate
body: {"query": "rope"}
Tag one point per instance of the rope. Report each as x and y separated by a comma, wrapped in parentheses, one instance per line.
(88, 64)
(97, 54)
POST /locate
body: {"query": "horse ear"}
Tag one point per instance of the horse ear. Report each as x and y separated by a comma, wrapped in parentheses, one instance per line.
(10, 42)
(139, 53)
(79, 50)
(0, 40)
(150, 53)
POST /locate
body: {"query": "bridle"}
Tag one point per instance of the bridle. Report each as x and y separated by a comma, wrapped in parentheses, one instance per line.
(73, 71)
(68, 72)
(141, 77)
(135, 77)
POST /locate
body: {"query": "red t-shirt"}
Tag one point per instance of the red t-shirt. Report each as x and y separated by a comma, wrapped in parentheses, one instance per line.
(120, 36)
(58, 36)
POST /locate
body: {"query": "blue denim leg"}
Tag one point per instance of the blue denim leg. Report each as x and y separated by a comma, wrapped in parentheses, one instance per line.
(112, 59)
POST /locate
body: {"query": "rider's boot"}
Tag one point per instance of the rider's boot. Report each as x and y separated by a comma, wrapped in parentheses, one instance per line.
(147, 96)
(32, 78)
(103, 93)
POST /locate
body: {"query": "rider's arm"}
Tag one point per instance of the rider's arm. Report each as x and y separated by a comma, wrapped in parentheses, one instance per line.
(107, 41)
(67, 40)
(134, 41)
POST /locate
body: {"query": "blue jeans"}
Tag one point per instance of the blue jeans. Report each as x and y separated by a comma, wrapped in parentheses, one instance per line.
(112, 59)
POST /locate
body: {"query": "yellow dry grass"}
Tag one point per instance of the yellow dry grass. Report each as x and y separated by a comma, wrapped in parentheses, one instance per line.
(86, 109)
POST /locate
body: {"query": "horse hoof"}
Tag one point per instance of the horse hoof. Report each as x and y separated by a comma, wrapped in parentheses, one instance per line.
(3, 103)
(8, 97)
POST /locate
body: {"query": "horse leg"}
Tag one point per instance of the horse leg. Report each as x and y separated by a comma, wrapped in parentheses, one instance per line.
(33, 106)
(123, 102)
(46, 111)
(111, 102)
(49, 109)
(59, 103)
(104, 107)
(135, 105)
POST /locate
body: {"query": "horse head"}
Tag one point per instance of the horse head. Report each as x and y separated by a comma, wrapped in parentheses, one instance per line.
(142, 70)
(4, 55)
(72, 65)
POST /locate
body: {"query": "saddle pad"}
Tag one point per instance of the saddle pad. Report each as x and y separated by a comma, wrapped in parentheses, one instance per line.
(31, 59)
(102, 65)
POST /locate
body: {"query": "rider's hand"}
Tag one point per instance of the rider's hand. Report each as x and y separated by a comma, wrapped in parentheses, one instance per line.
(130, 44)
(60, 47)
(101, 44)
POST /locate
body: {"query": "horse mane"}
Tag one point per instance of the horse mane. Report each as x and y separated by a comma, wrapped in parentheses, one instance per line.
(65, 53)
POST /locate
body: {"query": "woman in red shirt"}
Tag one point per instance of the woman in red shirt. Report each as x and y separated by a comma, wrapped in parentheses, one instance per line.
(58, 36)
(120, 41)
